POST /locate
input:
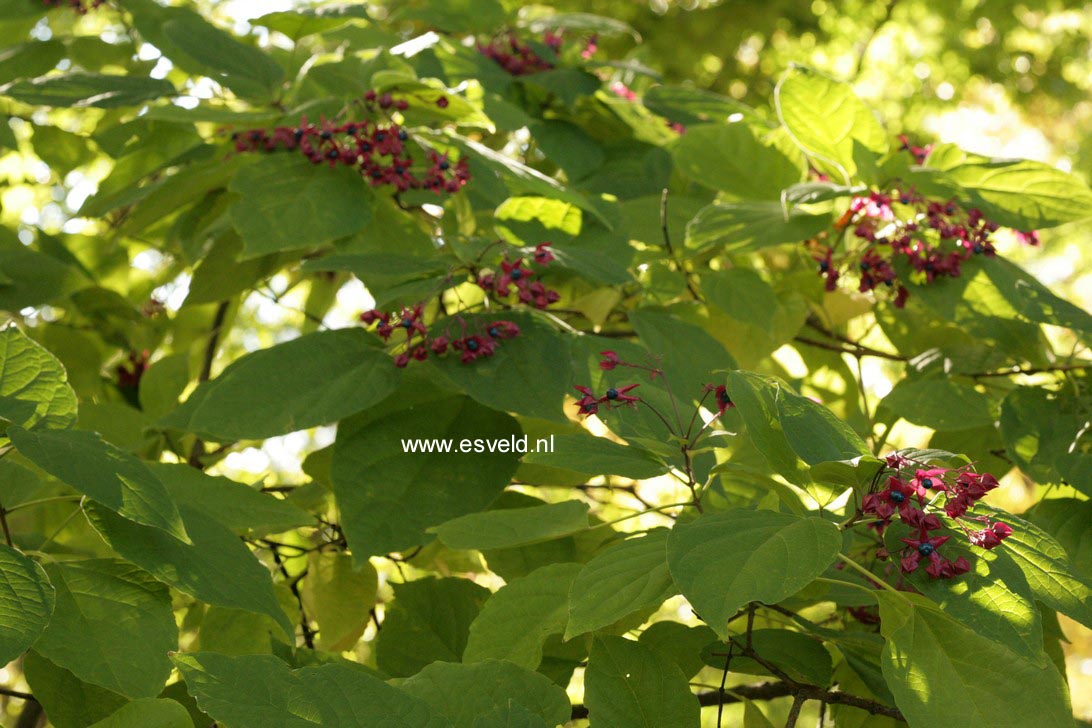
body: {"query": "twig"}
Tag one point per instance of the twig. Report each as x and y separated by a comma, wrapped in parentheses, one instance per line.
(794, 711)
(198, 450)
(723, 678)
(671, 250)
(16, 694)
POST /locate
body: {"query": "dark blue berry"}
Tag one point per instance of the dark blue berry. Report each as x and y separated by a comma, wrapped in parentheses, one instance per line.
(403, 135)
(407, 323)
(824, 266)
(494, 331)
(517, 274)
(332, 154)
(897, 496)
(926, 548)
(380, 136)
(612, 393)
(472, 345)
(927, 483)
(444, 165)
(326, 135)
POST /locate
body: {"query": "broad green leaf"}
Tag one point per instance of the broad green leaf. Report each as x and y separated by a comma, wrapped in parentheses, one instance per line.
(339, 598)
(34, 389)
(241, 508)
(528, 375)
(30, 278)
(1034, 300)
(1038, 430)
(803, 658)
(690, 357)
(938, 402)
(597, 456)
(814, 432)
(690, 105)
(319, 378)
(462, 692)
(739, 227)
(1070, 522)
(828, 121)
(68, 701)
(1023, 194)
(581, 23)
(550, 214)
(216, 568)
(723, 561)
(515, 622)
(163, 383)
(285, 203)
(242, 68)
(459, 16)
(679, 644)
(258, 691)
(300, 23)
(26, 603)
(148, 713)
(756, 401)
(235, 632)
(943, 673)
(627, 685)
(428, 621)
(80, 90)
(732, 158)
(110, 476)
(507, 527)
(507, 716)
(623, 579)
(112, 626)
(388, 497)
(568, 146)
(1047, 568)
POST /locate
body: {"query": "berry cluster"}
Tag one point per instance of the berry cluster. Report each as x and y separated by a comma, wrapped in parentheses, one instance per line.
(515, 277)
(516, 57)
(80, 6)
(933, 237)
(377, 148)
(912, 494)
(420, 342)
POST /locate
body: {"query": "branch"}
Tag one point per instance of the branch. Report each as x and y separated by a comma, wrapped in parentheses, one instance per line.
(1029, 370)
(198, 450)
(764, 691)
(671, 250)
(17, 694)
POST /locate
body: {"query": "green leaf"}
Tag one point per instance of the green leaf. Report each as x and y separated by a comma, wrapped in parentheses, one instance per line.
(739, 227)
(285, 203)
(258, 691)
(828, 121)
(1023, 194)
(110, 476)
(689, 105)
(26, 602)
(1032, 299)
(34, 389)
(428, 621)
(722, 561)
(814, 432)
(802, 657)
(319, 378)
(339, 598)
(462, 692)
(507, 527)
(597, 456)
(731, 158)
(938, 402)
(551, 214)
(515, 622)
(627, 685)
(537, 361)
(1070, 522)
(756, 401)
(389, 498)
(679, 644)
(241, 508)
(943, 673)
(243, 68)
(124, 623)
(216, 568)
(1046, 566)
(29, 278)
(68, 701)
(690, 357)
(148, 713)
(300, 23)
(1039, 429)
(81, 90)
(625, 578)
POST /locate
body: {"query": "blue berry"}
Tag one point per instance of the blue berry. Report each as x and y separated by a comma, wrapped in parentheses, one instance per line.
(612, 393)
(897, 496)
(927, 483)
(926, 548)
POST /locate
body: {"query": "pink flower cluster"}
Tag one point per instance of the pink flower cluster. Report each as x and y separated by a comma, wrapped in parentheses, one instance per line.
(420, 342)
(912, 494)
(514, 276)
(377, 148)
(933, 237)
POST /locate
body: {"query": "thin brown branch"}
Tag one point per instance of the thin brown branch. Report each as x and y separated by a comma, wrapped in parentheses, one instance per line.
(20, 695)
(211, 348)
